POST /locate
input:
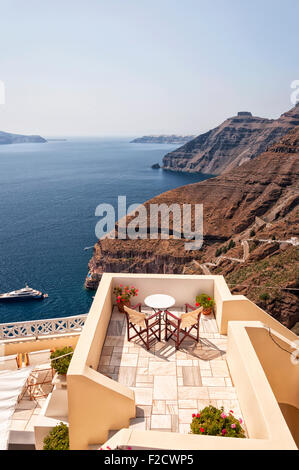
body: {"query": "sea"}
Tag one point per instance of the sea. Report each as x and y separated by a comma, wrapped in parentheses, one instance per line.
(48, 196)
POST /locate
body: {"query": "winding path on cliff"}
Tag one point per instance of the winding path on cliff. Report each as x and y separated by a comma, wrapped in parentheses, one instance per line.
(204, 266)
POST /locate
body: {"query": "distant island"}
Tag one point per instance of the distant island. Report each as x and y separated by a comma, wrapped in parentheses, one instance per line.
(163, 139)
(7, 138)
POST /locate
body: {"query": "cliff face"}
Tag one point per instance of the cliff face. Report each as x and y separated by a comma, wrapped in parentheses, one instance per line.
(7, 138)
(258, 200)
(236, 141)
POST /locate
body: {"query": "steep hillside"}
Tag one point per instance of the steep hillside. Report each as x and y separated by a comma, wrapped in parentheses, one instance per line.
(250, 227)
(236, 141)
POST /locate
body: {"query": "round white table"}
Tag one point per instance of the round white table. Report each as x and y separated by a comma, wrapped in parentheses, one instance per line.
(159, 301)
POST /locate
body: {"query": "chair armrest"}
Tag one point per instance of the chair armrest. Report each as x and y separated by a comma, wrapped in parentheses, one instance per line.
(134, 307)
(154, 315)
(188, 306)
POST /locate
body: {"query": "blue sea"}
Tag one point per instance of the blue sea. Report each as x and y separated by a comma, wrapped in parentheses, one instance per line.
(48, 196)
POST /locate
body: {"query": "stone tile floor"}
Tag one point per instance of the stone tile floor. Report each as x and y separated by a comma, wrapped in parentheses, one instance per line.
(170, 385)
(27, 411)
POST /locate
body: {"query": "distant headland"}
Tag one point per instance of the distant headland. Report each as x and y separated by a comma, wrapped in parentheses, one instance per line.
(8, 138)
(163, 139)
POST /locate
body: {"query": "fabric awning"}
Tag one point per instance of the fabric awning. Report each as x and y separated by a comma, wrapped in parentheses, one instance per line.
(11, 385)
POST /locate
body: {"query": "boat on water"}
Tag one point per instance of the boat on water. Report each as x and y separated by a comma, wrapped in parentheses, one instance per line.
(22, 294)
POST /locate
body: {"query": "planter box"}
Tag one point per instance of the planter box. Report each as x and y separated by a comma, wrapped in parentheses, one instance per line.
(59, 381)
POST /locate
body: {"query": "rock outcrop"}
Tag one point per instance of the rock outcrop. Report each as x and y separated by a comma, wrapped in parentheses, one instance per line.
(236, 141)
(257, 200)
(7, 138)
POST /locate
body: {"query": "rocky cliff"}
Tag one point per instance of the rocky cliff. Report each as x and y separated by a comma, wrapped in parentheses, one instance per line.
(250, 230)
(234, 142)
(7, 138)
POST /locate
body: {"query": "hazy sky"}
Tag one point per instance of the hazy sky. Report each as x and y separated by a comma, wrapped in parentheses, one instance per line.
(131, 67)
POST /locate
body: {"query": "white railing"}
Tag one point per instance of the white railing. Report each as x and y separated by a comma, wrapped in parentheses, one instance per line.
(37, 328)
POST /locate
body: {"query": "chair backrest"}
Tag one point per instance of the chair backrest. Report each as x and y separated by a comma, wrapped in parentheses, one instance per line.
(19, 360)
(137, 318)
(190, 318)
(26, 359)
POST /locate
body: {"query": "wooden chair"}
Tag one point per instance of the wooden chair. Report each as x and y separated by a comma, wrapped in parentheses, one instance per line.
(39, 377)
(22, 359)
(135, 307)
(19, 360)
(149, 326)
(183, 325)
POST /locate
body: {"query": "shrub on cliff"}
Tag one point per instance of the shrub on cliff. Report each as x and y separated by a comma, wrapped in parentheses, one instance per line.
(264, 296)
(231, 244)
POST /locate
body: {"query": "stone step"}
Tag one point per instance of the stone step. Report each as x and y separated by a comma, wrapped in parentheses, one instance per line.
(138, 424)
(135, 423)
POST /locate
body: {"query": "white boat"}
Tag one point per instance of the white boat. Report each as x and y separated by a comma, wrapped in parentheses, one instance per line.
(23, 294)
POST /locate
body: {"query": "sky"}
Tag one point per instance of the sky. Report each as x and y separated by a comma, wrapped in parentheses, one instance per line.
(135, 67)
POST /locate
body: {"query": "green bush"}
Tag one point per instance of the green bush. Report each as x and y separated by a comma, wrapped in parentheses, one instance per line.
(218, 252)
(58, 438)
(61, 365)
(212, 421)
(252, 233)
(265, 296)
(231, 244)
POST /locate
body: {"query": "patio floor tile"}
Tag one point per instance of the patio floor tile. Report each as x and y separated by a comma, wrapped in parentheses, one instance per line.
(165, 388)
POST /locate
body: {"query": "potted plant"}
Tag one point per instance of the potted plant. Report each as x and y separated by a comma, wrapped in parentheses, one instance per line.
(123, 295)
(61, 364)
(58, 438)
(213, 421)
(205, 301)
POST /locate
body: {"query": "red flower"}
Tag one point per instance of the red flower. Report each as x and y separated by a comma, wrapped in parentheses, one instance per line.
(197, 304)
(118, 300)
(209, 298)
(231, 411)
(198, 415)
(193, 415)
(223, 431)
(201, 429)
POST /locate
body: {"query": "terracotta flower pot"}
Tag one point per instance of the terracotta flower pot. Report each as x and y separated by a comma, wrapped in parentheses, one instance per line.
(121, 305)
(207, 311)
